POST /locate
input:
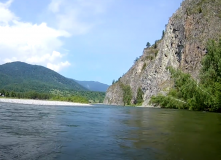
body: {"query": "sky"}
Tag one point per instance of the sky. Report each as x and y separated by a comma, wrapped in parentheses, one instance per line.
(92, 40)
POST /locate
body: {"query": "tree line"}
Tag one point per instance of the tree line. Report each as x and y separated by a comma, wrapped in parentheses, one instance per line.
(74, 96)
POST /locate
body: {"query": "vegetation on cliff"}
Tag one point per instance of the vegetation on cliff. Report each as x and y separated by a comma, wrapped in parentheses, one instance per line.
(139, 98)
(188, 93)
(127, 94)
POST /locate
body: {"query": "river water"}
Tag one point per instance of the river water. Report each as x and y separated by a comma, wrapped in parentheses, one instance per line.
(107, 133)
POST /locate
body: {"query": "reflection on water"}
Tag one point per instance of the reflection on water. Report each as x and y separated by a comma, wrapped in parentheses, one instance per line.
(107, 132)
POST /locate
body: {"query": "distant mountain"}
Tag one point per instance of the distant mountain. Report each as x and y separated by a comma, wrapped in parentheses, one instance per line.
(21, 77)
(94, 86)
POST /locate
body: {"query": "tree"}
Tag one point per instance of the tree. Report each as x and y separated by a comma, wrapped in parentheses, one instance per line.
(211, 64)
(136, 59)
(155, 45)
(12, 94)
(2, 92)
(139, 98)
(127, 94)
(7, 94)
(148, 44)
(113, 82)
(163, 34)
(188, 93)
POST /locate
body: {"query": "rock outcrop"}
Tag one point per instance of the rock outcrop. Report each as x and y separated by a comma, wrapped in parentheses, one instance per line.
(182, 46)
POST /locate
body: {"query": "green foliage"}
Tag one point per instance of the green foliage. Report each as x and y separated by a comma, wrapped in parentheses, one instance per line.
(156, 52)
(211, 70)
(203, 6)
(155, 45)
(162, 34)
(139, 98)
(118, 80)
(23, 77)
(73, 96)
(127, 94)
(188, 93)
(148, 44)
(113, 82)
(22, 80)
(136, 59)
(78, 99)
(149, 57)
(168, 102)
(144, 66)
(200, 10)
(97, 97)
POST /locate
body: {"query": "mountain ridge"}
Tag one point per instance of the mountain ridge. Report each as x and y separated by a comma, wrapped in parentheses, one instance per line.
(23, 76)
(94, 85)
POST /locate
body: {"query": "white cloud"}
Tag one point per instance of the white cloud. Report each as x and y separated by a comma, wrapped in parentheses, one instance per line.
(5, 14)
(59, 66)
(78, 16)
(27, 42)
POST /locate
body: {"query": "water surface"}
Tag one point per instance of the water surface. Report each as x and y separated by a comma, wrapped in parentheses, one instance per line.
(107, 133)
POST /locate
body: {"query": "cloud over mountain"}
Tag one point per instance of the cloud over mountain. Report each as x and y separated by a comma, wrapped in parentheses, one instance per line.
(28, 42)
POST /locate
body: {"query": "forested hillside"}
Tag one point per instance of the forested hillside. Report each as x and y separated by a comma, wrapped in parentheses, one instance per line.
(22, 80)
(19, 76)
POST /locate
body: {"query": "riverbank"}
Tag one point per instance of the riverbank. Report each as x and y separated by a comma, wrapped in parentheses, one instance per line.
(41, 102)
(148, 106)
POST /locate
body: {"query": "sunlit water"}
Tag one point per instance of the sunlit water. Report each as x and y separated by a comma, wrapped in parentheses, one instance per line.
(107, 133)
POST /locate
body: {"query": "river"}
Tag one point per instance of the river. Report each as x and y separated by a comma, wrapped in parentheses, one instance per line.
(102, 132)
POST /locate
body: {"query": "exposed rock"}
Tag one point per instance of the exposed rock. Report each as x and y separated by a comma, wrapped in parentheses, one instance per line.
(183, 46)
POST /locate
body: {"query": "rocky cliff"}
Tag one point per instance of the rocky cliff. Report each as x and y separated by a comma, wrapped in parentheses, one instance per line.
(182, 46)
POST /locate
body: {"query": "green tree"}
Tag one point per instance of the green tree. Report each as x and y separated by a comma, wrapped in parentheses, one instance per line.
(155, 45)
(7, 94)
(2, 92)
(127, 94)
(148, 44)
(163, 34)
(211, 64)
(211, 73)
(12, 94)
(136, 59)
(139, 98)
(188, 93)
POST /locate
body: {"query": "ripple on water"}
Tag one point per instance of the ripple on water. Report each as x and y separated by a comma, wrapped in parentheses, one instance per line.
(107, 132)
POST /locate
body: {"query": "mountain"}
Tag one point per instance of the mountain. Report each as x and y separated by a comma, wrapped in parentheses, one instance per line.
(183, 45)
(94, 86)
(21, 77)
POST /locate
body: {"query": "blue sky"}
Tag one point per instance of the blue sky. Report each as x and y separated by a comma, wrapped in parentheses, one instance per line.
(81, 39)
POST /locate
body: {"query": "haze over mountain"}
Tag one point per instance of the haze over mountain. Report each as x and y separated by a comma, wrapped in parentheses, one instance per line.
(94, 86)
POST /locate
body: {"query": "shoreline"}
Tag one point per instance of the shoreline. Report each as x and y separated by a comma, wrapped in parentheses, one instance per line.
(41, 102)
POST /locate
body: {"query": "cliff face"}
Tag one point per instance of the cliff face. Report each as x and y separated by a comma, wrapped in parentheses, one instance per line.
(182, 46)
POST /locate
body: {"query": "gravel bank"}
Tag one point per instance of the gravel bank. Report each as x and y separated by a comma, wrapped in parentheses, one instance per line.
(41, 102)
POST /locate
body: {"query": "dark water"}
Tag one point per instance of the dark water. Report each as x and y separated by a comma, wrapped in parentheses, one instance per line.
(107, 133)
